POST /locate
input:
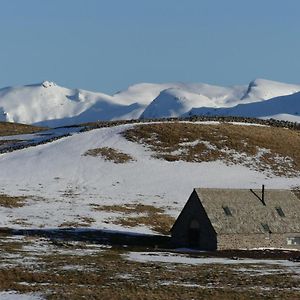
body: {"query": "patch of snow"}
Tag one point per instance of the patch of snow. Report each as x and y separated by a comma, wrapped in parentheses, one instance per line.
(125, 276)
(175, 258)
(13, 295)
(248, 124)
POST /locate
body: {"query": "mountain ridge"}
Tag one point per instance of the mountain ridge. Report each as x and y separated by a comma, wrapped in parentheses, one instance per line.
(48, 104)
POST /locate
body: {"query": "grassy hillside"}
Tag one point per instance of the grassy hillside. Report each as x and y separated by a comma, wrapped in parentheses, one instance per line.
(138, 176)
(7, 128)
(261, 148)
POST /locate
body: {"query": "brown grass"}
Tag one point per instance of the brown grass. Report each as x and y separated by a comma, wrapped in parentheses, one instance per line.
(148, 215)
(173, 141)
(109, 154)
(129, 208)
(296, 191)
(7, 128)
(11, 201)
(79, 222)
(107, 275)
(160, 223)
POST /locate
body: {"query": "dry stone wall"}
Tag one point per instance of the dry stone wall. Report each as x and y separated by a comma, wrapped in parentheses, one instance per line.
(250, 241)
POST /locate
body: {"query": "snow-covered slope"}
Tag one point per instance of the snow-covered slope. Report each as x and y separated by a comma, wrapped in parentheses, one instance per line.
(64, 185)
(48, 104)
(177, 102)
(281, 108)
(51, 105)
(145, 93)
(173, 103)
(262, 89)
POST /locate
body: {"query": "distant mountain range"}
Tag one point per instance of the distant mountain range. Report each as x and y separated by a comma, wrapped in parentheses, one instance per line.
(48, 104)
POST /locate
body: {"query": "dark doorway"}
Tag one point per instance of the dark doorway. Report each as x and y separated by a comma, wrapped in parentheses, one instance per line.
(194, 234)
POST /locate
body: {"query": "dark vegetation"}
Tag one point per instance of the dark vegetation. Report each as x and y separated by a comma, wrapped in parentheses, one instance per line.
(7, 128)
(274, 148)
(268, 122)
(9, 142)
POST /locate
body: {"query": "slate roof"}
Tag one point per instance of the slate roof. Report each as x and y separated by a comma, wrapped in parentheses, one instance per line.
(247, 213)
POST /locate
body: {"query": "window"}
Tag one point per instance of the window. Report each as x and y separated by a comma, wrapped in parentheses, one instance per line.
(280, 211)
(227, 211)
(293, 240)
(266, 227)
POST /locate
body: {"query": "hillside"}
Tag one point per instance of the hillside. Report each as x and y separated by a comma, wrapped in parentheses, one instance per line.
(7, 128)
(48, 104)
(138, 177)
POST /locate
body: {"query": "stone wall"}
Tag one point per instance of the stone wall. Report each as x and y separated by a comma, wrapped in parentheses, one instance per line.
(104, 124)
(267, 122)
(250, 241)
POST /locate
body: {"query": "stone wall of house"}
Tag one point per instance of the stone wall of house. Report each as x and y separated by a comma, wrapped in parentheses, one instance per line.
(193, 210)
(249, 241)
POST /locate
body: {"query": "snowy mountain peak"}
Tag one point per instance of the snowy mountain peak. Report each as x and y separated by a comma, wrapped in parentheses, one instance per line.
(174, 102)
(263, 89)
(48, 104)
(47, 84)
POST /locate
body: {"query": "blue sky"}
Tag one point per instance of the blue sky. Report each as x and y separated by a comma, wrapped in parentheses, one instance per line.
(106, 45)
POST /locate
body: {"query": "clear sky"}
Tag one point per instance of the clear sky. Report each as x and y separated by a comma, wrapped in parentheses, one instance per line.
(106, 45)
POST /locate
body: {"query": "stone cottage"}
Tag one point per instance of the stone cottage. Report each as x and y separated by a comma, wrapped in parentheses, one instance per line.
(238, 219)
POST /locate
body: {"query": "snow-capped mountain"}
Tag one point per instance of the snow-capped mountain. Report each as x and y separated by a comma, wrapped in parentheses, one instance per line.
(173, 103)
(48, 104)
(209, 99)
(176, 101)
(281, 108)
(51, 105)
(262, 89)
